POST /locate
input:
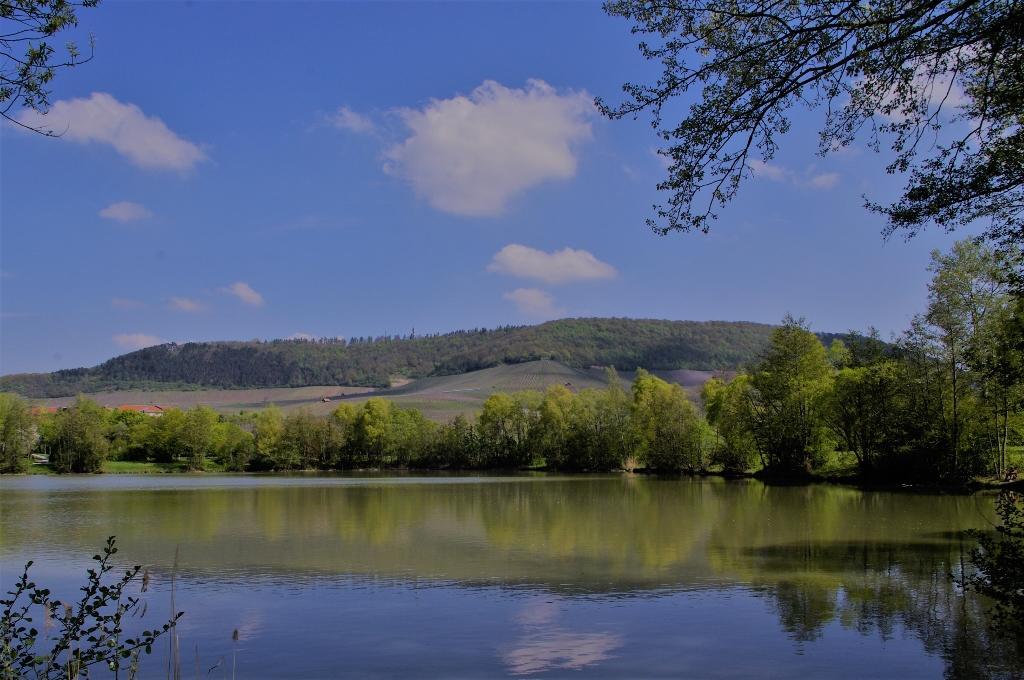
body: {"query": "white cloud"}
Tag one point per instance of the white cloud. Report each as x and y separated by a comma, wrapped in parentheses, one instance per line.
(940, 92)
(185, 304)
(244, 292)
(534, 303)
(769, 170)
(470, 155)
(127, 303)
(825, 180)
(347, 119)
(808, 179)
(126, 211)
(144, 140)
(137, 340)
(557, 267)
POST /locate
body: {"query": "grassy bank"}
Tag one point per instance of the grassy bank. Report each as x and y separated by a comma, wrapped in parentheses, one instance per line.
(130, 467)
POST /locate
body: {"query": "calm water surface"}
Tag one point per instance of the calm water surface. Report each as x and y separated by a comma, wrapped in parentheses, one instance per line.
(534, 576)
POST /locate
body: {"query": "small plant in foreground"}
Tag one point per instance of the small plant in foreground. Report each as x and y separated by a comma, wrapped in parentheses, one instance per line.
(75, 637)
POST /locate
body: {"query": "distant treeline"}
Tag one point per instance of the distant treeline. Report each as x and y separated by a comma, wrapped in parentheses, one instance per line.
(597, 429)
(625, 344)
(941, 404)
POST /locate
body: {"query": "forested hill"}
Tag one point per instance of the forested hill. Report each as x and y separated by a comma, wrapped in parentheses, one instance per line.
(623, 343)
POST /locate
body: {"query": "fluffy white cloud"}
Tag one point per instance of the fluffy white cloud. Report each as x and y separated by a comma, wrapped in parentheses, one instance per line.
(469, 155)
(557, 267)
(185, 304)
(144, 140)
(244, 292)
(126, 211)
(809, 179)
(137, 340)
(347, 119)
(534, 303)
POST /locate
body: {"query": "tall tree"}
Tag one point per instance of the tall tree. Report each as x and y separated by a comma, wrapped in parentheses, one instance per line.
(198, 436)
(898, 71)
(788, 405)
(79, 438)
(17, 433)
(965, 299)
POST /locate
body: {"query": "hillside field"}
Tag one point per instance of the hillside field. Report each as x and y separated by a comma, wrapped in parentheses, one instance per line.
(384, 362)
(440, 398)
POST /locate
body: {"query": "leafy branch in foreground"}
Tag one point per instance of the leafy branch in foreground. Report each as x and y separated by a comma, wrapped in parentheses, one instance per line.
(28, 63)
(999, 561)
(84, 634)
(878, 69)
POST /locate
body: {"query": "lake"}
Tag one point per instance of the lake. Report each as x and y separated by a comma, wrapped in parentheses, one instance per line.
(528, 576)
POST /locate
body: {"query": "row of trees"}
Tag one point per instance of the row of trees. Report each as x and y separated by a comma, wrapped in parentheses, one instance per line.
(942, 403)
(656, 424)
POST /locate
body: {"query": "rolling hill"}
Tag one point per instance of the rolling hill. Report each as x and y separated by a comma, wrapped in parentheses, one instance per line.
(439, 398)
(577, 344)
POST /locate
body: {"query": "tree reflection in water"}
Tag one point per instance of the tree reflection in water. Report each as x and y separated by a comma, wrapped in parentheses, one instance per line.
(874, 563)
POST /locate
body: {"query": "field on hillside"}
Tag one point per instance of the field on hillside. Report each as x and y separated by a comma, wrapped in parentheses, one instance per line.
(222, 400)
(439, 398)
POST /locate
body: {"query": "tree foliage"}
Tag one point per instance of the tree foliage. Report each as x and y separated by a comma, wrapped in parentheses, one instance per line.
(999, 565)
(894, 71)
(17, 433)
(787, 402)
(28, 60)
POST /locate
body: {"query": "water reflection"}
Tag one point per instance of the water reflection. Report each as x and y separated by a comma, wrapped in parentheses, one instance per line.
(545, 645)
(830, 561)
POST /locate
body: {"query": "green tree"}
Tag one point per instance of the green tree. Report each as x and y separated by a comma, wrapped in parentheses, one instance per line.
(788, 399)
(372, 431)
(126, 431)
(864, 412)
(197, 437)
(309, 442)
(965, 297)
(455, 445)
(880, 70)
(410, 437)
(551, 435)
(727, 407)
(267, 429)
(165, 436)
(79, 438)
(18, 433)
(236, 446)
(504, 427)
(671, 436)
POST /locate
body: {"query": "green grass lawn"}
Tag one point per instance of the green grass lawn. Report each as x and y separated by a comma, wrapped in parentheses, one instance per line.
(131, 467)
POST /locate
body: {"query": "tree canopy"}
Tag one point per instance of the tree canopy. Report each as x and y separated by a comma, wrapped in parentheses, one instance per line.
(28, 61)
(900, 72)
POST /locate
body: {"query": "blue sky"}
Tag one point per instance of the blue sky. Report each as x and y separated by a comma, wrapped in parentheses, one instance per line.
(238, 171)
